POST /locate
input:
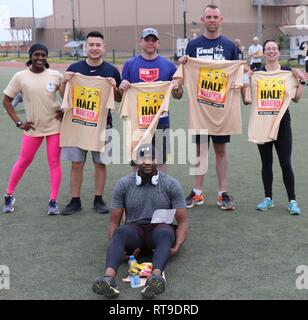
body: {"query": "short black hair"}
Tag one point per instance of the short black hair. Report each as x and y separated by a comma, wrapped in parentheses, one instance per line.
(271, 40)
(95, 34)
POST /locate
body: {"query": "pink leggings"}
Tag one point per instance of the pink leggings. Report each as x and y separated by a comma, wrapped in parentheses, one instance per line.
(29, 147)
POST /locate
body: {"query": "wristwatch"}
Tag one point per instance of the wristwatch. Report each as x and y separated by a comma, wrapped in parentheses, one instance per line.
(19, 123)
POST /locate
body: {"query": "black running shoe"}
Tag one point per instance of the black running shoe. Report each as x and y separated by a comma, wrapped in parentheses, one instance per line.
(194, 200)
(105, 286)
(100, 206)
(154, 286)
(225, 202)
(72, 207)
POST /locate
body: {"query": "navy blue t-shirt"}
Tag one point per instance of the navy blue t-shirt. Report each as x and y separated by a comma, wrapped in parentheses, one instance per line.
(104, 70)
(137, 69)
(220, 48)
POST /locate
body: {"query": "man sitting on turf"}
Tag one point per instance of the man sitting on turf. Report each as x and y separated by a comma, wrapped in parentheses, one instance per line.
(148, 198)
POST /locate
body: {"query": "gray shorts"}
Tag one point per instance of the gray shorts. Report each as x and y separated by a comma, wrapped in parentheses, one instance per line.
(79, 155)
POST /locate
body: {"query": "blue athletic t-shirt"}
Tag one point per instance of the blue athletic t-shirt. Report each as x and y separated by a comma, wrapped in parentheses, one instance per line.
(137, 69)
(220, 48)
(104, 70)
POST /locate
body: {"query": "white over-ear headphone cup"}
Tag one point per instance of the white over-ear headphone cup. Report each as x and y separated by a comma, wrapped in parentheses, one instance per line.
(138, 180)
(155, 179)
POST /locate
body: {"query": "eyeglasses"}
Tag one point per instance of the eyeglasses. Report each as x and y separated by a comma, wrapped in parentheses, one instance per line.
(271, 49)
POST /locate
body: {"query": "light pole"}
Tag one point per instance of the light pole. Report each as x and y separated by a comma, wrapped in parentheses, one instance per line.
(136, 26)
(184, 18)
(73, 19)
(33, 24)
(259, 31)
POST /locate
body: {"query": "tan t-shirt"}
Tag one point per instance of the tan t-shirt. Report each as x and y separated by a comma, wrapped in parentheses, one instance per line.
(214, 95)
(86, 102)
(142, 106)
(39, 98)
(271, 94)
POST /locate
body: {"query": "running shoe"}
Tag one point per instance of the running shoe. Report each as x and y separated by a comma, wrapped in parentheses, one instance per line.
(100, 206)
(53, 208)
(294, 208)
(9, 200)
(72, 207)
(225, 202)
(265, 204)
(105, 286)
(154, 286)
(194, 200)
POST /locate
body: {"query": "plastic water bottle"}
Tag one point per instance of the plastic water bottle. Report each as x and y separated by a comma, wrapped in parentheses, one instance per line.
(246, 80)
(135, 281)
(134, 272)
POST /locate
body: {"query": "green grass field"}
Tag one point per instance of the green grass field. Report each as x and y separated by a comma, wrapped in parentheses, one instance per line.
(243, 254)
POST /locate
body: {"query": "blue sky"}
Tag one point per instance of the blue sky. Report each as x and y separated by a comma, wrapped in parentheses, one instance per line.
(21, 8)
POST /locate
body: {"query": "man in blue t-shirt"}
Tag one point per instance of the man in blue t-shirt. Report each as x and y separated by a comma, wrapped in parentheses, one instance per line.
(149, 66)
(94, 65)
(212, 46)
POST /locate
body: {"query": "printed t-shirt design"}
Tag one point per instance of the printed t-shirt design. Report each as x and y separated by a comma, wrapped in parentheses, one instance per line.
(271, 94)
(142, 106)
(86, 102)
(214, 95)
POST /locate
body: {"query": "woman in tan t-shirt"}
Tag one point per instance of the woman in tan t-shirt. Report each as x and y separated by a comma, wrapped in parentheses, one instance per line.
(38, 85)
(283, 144)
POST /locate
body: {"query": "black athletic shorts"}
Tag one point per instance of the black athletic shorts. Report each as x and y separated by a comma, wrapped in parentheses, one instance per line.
(256, 65)
(216, 139)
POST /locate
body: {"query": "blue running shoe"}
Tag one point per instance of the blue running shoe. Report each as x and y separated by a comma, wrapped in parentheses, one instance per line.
(265, 204)
(53, 208)
(9, 200)
(294, 208)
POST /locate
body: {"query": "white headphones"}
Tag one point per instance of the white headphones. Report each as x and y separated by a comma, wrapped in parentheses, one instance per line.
(154, 179)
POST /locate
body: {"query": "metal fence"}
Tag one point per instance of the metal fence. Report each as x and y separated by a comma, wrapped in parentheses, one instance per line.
(113, 56)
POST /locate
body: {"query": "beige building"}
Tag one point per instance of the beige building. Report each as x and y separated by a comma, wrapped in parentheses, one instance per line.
(121, 21)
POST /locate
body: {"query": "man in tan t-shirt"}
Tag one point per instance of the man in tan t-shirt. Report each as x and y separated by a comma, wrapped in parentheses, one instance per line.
(212, 46)
(87, 101)
(93, 66)
(214, 89)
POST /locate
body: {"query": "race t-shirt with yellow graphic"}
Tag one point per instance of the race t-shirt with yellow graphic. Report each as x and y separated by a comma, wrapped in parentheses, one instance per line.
(142, 106)
(212, 87)
(148, 104)
(214, 94)
(86, 103)
(271, 94)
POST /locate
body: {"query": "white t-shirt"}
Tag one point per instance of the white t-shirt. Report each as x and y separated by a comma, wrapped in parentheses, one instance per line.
(255, 49)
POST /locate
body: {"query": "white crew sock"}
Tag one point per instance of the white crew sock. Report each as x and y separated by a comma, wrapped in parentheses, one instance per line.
(197, 192)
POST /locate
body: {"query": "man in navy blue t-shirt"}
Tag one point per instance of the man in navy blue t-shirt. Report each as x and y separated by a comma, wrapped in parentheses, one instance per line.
(149, 66)
(94, 65)
(212, 46)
